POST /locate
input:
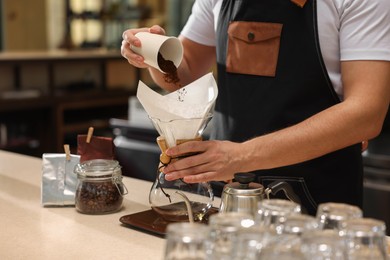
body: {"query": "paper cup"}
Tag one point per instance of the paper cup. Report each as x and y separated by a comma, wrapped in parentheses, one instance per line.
(152, 44)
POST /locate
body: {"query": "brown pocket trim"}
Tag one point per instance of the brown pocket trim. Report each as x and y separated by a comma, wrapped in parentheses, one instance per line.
(299, 3)
(252, 32)
(253, 48)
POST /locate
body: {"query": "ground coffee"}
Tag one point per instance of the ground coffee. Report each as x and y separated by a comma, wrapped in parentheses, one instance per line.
(98, 197)
(170, 69)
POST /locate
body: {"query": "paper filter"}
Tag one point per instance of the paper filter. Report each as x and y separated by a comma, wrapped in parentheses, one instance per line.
(182, 114)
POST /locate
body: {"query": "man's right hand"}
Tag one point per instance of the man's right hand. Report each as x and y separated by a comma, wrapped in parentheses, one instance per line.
(130, 39)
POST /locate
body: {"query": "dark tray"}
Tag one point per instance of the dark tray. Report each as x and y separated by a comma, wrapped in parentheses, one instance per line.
(150, 222)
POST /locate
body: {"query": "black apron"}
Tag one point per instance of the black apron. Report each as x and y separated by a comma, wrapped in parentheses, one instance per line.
(271, 75)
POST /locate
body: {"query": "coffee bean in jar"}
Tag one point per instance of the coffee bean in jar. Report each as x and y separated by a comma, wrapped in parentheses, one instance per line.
(99, 188)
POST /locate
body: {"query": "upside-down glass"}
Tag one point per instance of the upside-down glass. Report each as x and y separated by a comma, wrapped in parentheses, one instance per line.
(330, 215)
(290, 229)
(249, 242)
(297, 224)
(172, 199)
(186, 241)
(271, 211)
(223, 230)
(366, 238)
(324, 245)
(283, 247)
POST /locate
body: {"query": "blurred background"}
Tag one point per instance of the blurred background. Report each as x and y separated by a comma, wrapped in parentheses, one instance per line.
(53, 24)
(61, 70)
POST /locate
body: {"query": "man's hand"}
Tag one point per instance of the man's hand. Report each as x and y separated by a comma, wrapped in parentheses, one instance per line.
(130, 39)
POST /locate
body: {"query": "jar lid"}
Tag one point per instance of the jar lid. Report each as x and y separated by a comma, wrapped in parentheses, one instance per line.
(98, 168)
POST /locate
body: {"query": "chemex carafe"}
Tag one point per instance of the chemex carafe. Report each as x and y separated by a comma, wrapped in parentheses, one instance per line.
(177, 200)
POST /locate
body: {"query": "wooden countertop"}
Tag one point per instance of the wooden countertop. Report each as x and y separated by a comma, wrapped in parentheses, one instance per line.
(30, 231)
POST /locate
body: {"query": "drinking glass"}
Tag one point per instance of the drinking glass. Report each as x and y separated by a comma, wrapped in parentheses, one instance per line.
(186, 241)
(297, 224)
(287, 244)
(331, 214)
(271, 211)
(249, 242)
(324, 245)
(365, 238)
(283, 247)
(223, 230)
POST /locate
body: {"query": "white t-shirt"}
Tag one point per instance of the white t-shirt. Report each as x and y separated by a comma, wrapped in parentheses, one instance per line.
(348, 30)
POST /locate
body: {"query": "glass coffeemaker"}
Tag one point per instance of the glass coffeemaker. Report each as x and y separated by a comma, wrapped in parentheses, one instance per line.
(177, 200)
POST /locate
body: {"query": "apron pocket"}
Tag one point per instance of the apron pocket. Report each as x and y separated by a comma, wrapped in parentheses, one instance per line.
(253, 48)
(298, 184)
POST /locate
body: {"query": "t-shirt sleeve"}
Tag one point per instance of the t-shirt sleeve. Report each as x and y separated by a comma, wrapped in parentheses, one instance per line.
(365, 30)
(200, 25)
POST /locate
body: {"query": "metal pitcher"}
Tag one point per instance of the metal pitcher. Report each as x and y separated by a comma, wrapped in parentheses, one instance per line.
(244, 194)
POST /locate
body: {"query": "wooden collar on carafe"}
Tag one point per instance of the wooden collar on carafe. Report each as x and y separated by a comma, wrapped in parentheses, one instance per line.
(164, 158)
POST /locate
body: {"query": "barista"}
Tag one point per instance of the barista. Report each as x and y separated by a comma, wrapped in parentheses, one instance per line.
(301, 85)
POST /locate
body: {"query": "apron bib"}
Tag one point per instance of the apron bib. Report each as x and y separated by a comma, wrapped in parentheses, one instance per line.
(271, 75)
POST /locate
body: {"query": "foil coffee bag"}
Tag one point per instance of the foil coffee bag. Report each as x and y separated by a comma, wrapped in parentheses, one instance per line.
(58, 179)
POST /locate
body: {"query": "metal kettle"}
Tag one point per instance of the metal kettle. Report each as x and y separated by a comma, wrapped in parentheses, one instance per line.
(244, 194)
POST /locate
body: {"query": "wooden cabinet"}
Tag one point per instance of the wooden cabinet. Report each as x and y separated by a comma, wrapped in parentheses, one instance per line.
(23, 24)
(47, 98)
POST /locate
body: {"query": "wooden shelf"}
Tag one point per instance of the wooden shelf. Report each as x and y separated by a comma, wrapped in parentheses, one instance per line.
(58, 55)
(25, 103)
(81, 127)
(61, 114)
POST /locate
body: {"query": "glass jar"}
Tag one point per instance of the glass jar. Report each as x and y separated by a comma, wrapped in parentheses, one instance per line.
(99, 187)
